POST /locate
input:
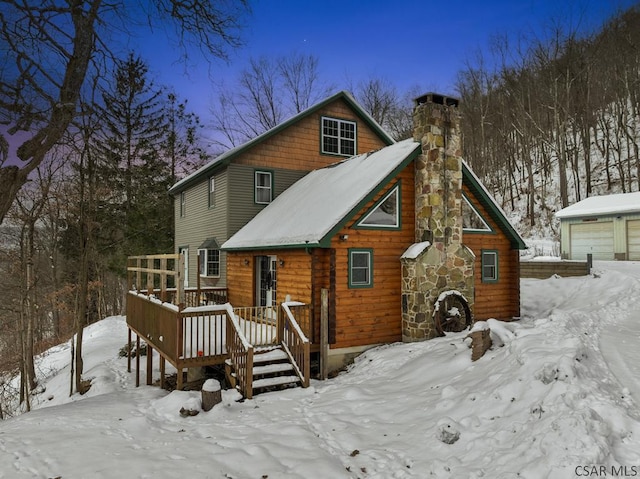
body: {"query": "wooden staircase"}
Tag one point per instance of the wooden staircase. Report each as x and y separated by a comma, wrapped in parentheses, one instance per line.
(272, 371)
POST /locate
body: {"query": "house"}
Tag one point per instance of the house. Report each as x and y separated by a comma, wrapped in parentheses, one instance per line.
(397, 237)
(323, 238)
(607, 227)
(214, 202)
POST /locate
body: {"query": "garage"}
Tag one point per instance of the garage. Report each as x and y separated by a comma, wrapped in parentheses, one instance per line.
(592, 238)
(607, 227)
(633, 239)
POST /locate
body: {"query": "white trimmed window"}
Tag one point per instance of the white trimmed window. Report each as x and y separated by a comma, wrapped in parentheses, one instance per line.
(338, 136)
(263, 187)
(212, 191)
(386, 213)
(471, 219)
(209, 262)
(183, 204)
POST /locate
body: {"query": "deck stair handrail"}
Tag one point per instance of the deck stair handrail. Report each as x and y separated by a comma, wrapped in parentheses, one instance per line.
(294, 342)
(240, 352)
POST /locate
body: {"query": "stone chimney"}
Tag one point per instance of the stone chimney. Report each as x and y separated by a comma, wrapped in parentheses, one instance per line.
(438, 262)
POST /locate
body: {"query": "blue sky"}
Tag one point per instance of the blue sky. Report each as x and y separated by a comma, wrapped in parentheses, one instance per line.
(409, 42)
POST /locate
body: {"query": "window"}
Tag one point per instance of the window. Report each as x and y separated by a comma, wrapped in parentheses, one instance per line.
(471, 219)
(263, 187)
(489, 266)
(212, 190)
(338, 137)
(385, 213)
(183, 203)
(360, 268)
(209, 262)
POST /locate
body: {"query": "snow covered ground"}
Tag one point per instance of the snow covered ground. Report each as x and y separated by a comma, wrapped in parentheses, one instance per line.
(558, 396)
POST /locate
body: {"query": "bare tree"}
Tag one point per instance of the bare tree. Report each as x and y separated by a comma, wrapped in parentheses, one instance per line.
(50, 45)
(267, 92)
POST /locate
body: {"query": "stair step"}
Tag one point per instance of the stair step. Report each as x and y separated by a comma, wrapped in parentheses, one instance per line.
(269, 356)
(272, 368)
(276, 381)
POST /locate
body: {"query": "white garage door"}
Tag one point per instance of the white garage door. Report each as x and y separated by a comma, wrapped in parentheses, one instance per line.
(594, 238)
(633, 239)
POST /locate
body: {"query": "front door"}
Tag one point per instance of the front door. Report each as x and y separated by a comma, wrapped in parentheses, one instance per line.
(266, 280)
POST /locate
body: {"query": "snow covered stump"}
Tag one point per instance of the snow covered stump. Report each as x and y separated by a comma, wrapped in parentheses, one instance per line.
(480, 340)
(211, 394)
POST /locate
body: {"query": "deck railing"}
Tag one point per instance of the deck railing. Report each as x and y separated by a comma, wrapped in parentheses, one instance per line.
(240, 353)
(294, 341)
(258, 324)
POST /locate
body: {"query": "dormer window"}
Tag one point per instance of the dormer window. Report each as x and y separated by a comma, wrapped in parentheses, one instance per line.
(338, 136)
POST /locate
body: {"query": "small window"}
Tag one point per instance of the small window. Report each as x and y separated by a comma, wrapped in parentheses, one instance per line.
(386, 213)
(471, 219)
(489, 266)
(338, 137)
(183, 204)
(212, 190)
(360, 268)
(209, 262)
(263, 183)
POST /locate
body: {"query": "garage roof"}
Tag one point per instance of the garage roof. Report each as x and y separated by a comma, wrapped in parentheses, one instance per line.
(603, 205)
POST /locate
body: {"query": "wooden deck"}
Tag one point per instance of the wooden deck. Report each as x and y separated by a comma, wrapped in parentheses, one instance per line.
(191, 329)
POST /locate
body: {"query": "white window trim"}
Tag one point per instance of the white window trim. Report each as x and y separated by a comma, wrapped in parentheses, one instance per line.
(256, 187)
(486, 229)
(212, 190)
(363, 222)
(338, 137)
(204, 264)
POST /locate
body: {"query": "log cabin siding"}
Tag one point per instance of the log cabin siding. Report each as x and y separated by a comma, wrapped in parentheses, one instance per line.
(298, 146)
(293, 278)
(500, 300)
(373, 315)
(201, 222)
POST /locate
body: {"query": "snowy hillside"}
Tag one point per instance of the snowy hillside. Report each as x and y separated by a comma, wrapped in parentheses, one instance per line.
(559, 392)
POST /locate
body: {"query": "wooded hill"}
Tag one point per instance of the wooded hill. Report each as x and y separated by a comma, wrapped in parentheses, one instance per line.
(556, 121)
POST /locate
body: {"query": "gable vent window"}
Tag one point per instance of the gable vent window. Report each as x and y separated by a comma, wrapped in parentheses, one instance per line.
(386, 213)
(471, 219)
(338, 137)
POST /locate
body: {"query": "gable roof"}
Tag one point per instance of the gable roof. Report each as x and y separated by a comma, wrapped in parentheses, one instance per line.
(491, 205)
(312, 210)
(228, 156)
(603, 205)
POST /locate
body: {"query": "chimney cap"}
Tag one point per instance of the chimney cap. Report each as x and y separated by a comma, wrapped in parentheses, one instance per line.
(438, 98)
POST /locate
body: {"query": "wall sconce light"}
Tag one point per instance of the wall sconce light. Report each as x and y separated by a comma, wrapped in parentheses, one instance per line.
(281, 262)
(344, 237)
(246, 262)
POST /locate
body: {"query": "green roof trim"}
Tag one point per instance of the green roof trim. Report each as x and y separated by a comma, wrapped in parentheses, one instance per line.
(230, 155)
(325, 242)
(480, 192)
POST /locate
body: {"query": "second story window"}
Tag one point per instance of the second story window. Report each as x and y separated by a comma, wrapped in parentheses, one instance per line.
(338, 136)
(263, 187)
(212, 190)
(183, 204)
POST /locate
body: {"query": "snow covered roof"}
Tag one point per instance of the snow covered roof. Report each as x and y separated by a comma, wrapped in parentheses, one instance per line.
(312, 209)
(228, 156)
(603, 205)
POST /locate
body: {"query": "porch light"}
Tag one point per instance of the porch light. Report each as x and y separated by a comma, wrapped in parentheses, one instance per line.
(246, 262)
(281, 263)
(344, 237)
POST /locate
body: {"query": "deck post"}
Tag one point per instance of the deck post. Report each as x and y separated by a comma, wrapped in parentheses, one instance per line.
(179, 379)
(128, 350)
(149, 365)
(162, 371)
(324, 334)
(137, 360)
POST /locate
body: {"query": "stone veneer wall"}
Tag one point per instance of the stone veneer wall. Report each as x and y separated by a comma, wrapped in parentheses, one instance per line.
(446, 264)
